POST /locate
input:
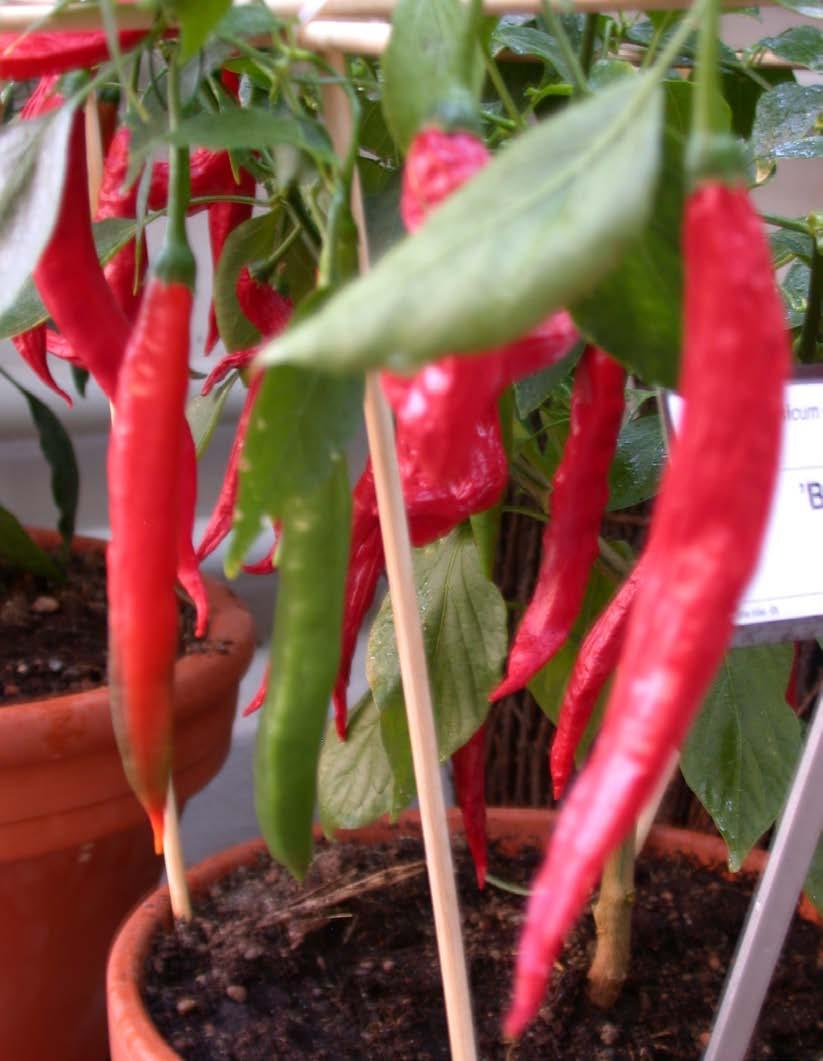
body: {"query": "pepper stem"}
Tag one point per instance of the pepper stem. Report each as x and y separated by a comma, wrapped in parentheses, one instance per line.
(613, 919)
(175, 263)
(713, 153)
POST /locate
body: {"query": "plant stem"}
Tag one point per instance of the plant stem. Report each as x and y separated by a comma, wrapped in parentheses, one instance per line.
(612, 916)
(807, 344)
(175, 263)
(587, 44)
(555, 26)
(792, 224)
(502, 91)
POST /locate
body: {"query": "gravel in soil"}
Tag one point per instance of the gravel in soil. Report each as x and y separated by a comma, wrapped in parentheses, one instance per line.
(345, 966)
(53, 637)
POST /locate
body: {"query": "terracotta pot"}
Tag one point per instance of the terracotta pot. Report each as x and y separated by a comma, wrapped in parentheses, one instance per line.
(133, 1036)
(75, 847)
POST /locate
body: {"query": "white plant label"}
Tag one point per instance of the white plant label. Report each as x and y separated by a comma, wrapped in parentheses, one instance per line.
(785, 593)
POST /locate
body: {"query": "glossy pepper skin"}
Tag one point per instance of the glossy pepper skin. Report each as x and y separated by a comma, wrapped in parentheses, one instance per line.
(27, 55)
(144, 484)
(468, 772)
(304, 657)
(704, 542)
(593, 667)
(580, 491)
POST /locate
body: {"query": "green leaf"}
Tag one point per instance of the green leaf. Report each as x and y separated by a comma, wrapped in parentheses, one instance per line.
(799, 45)
(18, 550)
(300, 424)
(809, 8)
(254, 127)
(530, 393)
(527, 40)
(814, 881)
(742, 91)
(635, 313)
(464, 633)
(530, 233)
(203, 413)
(354, 779)
(638, 463)
(795, 291)
(197, 19)
(250, 241)
(248, 21)
(27, 310)
(787, 245)
(32, 166)
(741, 752)
(59, 453)
(787, 123)
(422, 66)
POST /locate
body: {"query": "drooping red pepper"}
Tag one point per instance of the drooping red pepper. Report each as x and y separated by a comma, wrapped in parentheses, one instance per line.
(187, 560)
(580, 491)
(144, 474)
(704, 542)
(70, 280)
(593, 667)
(269, 312)
(469, 774)
(27, 55)
(437, 163)
(792, 694)
(31, 345)
(259, 697)
(121, 271)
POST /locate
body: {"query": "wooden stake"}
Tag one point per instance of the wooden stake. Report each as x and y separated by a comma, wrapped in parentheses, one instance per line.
(397, 548)
(94, 151)
(131, 16)
(173, 857)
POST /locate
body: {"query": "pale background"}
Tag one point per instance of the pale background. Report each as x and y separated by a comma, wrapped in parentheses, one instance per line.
(223, 813)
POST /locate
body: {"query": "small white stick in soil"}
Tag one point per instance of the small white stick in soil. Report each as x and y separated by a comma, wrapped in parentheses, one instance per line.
(94, 151)
(173, 856)
(414, 674)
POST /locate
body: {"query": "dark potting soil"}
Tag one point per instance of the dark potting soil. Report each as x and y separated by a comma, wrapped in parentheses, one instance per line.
(345, 966)
(53, 637)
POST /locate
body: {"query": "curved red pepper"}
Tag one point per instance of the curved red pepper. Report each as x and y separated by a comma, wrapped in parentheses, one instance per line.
(144, 484)
(580, 491)
(593, 667)
(26, 55)
(704, 542)
(469, 774)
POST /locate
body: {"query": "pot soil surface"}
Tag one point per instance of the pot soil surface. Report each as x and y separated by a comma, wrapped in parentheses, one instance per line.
(345, 966)
(53, 637)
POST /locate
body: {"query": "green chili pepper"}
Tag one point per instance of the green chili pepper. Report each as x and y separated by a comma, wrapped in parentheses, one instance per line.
(304, 659)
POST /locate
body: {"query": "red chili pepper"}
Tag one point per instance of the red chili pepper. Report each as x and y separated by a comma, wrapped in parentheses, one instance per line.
(269, 312)
(238, 360)
(437, 163)
(579, 493)
(469, 773)
(704, 542)
(259, 697)
(267, 564)
(70, 279)
(792, 694)
(223, 220)
(27, 55)
(594, 666)
(144, 484)
(31, 345)
(222, 515)
(114, 201)
(187, 560)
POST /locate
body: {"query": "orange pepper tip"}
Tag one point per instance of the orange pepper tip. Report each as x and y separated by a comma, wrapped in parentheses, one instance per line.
(156, 815)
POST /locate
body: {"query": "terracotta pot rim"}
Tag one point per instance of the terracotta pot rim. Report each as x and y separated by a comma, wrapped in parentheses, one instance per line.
(128, 953)
(190, 671)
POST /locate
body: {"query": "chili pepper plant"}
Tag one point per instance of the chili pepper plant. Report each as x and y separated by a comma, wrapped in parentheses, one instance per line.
(560, 217)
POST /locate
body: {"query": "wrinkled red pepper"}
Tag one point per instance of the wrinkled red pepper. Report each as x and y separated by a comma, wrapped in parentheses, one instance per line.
(436, 165)
(27, 55)
(704, 543)
(580, 490)
(593, 667)
(469, 773)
